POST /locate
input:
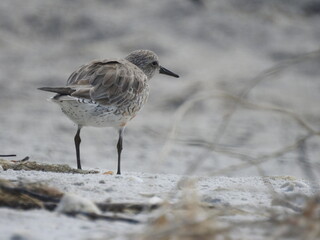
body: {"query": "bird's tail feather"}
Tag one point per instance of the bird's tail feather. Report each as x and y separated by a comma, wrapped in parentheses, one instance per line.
(59, 90)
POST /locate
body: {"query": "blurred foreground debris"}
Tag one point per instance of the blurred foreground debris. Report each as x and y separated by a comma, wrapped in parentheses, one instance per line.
(189, 217)
(28, 195)
(305, 225)
(37, 195)
(241, 100)
(187, 220)
(73, 205)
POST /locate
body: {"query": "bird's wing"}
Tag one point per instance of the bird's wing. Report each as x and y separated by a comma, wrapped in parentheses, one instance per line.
(108, 82)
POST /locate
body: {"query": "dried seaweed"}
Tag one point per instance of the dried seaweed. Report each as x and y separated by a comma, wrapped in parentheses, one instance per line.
(34, 166)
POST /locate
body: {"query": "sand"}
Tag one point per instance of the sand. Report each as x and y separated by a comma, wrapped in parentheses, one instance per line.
(218, 48)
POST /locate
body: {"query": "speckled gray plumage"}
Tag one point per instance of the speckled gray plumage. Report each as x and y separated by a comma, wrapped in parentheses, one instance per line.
(112, 86)
(108, 93)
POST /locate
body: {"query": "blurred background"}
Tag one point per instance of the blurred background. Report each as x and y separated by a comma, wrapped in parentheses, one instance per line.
(229, 54)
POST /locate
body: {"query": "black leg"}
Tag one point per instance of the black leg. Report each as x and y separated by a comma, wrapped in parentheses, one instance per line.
(119, 147)
(77, 141)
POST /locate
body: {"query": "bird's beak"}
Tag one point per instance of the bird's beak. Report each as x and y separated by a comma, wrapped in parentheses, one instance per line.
(167, 72)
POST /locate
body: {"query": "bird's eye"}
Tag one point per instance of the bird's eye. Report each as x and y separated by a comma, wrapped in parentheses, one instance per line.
(155, 63)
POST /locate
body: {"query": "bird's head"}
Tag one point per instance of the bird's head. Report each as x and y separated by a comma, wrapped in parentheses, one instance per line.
(148, 62)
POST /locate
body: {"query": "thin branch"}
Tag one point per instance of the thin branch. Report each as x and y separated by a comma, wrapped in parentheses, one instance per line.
(263, 158)
(186, 106)
(258, 79)
(306, 166)
(94, 216)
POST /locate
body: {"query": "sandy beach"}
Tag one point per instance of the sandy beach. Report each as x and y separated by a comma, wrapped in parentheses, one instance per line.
(244, 109)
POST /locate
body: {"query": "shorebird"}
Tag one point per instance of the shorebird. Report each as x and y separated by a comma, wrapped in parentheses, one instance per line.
(108, 93)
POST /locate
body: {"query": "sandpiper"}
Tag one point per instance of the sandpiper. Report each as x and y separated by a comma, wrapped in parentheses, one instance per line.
(108, 93)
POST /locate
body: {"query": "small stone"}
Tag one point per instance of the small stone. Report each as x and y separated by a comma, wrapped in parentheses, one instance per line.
(209, 199)
(20, 236)
(155, 200)
(301, 185)
(78, 183)
(288, 186)
(71, 203)
(110, 189)
(136, 179)
(146, 194)
(215, 201)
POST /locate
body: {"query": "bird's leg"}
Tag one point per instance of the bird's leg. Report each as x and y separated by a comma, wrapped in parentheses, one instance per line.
(119, 147)
(77, 141)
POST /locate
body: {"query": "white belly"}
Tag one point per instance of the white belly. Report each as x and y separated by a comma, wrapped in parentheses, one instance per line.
(89, 113)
